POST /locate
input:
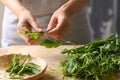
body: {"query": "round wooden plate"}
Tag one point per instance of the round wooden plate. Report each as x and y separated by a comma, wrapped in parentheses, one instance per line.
(5, 60)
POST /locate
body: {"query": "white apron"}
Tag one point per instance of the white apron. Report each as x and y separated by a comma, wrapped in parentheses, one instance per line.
(79, 32)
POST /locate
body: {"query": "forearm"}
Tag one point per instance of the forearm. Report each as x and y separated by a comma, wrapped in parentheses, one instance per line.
(15, 6)
(73, 6)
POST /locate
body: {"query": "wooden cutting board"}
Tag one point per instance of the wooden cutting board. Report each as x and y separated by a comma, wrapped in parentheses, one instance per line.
(52, 57)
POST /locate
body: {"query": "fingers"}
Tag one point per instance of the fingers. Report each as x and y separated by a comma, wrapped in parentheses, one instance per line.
(26, 37)
(59, 30)
(27, 22)
(52, 24)
(57, 27)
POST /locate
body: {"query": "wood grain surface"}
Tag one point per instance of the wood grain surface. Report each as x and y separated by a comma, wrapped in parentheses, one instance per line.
(52, 57)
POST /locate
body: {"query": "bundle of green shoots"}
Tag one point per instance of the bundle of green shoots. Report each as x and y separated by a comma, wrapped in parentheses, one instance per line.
(17, 70)
(93, 61)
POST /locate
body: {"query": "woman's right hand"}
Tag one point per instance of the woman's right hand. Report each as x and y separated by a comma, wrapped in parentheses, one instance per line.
(27, 22)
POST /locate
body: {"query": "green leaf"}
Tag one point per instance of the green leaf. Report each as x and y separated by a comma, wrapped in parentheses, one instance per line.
(33, 34)
(49, 43)
(25, 31)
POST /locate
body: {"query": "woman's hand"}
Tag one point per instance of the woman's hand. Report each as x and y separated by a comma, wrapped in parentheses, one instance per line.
(59, 24)
(60, 20)
(27, 22)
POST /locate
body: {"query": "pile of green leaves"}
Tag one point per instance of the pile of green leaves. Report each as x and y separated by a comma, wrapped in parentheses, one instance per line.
(93, 61)
(16, 69)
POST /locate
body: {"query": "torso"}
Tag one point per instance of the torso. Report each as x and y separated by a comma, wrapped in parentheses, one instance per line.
(43, 10)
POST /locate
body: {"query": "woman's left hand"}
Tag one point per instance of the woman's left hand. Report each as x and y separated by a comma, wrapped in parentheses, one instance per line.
(59, 24)
(60, 20)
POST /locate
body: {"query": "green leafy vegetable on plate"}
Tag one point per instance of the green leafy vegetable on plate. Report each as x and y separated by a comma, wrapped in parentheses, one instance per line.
(16, 69)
